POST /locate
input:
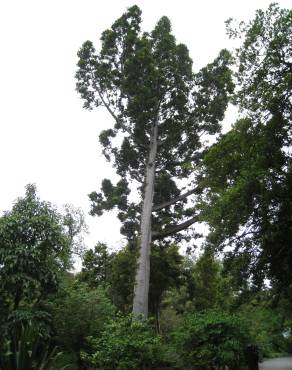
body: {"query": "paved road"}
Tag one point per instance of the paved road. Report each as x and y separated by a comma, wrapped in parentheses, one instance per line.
(283, 363)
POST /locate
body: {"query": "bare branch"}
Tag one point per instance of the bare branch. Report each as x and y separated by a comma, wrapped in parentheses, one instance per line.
(174, 229)
(107, 105)
(174, 200)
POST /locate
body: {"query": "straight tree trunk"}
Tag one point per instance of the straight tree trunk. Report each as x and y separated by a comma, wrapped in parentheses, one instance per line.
(141, 289)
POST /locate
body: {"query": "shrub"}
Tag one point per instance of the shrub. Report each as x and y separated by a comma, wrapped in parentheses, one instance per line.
(126, 344)
(79, 312)
(210, 340)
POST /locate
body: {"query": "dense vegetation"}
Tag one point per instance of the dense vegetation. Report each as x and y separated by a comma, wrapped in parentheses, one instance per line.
(147, 305)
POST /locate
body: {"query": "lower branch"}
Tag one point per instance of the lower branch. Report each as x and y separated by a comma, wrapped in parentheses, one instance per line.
(174, 200)
(174, 229)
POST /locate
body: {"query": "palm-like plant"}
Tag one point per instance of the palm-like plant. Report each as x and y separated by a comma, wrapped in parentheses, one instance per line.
(25, 349)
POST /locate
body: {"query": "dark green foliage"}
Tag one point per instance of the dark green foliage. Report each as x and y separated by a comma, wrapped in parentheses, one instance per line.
(112, 271)
(165, 264)
(123, 277)
(202, 285)
(114, 196)
(67, 361)
(79, 311)
(126, 344)
(247, 174)
(209, 289)
(248, 183)
(210, 340)
(96, 266)
(266, 323)
(166, 274)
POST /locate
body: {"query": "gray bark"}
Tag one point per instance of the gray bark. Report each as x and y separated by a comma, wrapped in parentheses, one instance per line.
(141, 290)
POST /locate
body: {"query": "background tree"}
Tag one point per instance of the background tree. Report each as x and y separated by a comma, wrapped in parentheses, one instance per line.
(210, 288)
(203, 285)
(75, 225)
(247, 174)
(123, 277)
(166, 274)
(79, 311)
(97, 266)
(263, 76)
(265, 321)
(160, 109)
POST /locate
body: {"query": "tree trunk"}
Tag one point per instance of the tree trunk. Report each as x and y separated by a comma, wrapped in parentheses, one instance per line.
(141, 289)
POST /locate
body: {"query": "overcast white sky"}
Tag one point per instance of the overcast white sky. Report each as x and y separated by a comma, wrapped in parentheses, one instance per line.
(46, 137)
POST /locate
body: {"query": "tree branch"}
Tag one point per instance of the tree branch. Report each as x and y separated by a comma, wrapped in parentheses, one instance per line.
(106, 105)
(174, 200)
(174, 229)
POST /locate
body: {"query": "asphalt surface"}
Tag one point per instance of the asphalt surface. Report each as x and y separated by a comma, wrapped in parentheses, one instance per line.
(282, 363)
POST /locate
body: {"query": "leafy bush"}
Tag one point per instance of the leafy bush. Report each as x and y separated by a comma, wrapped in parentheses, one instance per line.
(126, 344)
(267, 324)
(210, 340)
(79, 312)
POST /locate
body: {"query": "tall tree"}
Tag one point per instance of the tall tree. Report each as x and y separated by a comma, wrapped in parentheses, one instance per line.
(247, 198)
(160, 110)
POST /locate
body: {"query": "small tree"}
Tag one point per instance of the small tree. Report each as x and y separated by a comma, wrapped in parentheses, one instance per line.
(160, 110)
(78, 312)
(96, 266)
(33, 249)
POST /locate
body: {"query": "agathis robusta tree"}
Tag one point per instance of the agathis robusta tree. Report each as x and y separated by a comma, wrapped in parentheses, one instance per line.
(160, 110)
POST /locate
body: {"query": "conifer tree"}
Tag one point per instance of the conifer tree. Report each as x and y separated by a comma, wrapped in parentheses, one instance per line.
(160, 109)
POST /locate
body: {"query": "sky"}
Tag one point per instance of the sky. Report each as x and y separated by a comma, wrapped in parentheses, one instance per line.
(46, 137)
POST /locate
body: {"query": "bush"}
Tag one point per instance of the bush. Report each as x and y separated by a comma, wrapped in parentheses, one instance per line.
(210, 340)
(126, 344)
(266, 326)
(79, 312)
